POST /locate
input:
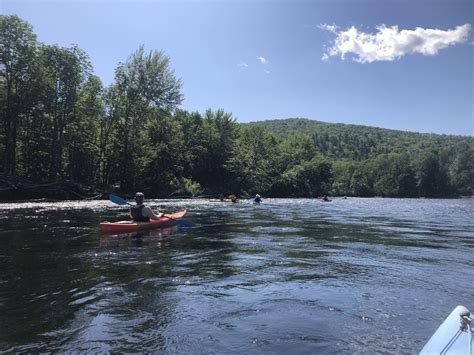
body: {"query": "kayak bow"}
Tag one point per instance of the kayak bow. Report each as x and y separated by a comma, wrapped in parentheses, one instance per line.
(454, 335)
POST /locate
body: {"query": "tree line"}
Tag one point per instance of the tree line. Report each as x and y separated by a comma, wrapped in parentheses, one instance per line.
(59, 122)
(370, 161)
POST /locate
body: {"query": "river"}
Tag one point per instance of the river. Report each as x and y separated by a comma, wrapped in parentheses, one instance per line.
(289, 276)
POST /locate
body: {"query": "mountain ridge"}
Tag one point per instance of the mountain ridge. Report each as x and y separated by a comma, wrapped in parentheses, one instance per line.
(358, 142)
(339, 124)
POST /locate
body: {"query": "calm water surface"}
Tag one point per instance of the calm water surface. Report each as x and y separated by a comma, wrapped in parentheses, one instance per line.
(287, 276)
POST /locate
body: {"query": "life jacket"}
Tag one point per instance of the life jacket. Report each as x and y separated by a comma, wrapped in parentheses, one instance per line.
(137, 215)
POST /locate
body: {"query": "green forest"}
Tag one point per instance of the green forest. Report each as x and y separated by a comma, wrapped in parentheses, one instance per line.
(60, 123)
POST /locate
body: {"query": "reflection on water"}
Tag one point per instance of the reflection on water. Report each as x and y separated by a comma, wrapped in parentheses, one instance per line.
(286, 276)
(140, 238)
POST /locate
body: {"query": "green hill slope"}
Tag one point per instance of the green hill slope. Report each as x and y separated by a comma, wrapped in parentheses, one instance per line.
(354, 142)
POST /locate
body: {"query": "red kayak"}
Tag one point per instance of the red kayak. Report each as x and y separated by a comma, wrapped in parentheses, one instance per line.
(166, 221)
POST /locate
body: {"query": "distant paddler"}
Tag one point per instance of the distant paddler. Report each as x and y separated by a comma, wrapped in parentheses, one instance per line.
(231, 198)
(257, 199)
(325, 199)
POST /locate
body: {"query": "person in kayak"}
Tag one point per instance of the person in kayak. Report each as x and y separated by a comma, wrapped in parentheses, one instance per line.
(257, 199)
(140, 212)
(232, 197)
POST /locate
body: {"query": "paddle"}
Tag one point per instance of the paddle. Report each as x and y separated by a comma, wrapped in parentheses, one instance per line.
(120, 201)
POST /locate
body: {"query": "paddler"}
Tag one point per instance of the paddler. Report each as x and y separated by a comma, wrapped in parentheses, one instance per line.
(232, 197)
(140, 212)
(257, 199)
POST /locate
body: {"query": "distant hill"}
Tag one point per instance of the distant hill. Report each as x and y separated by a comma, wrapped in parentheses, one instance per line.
(356, 142)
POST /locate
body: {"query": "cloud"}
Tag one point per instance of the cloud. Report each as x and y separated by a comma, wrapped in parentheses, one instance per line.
(242, 64)
(330, 28)
(390, 43)
(262, 60)
(266, 71)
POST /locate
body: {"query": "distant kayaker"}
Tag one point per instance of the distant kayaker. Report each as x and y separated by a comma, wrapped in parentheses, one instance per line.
(140, 212)
(325, 199)
(257, 199)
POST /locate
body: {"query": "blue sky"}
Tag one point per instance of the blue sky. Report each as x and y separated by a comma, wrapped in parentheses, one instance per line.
(264, 59)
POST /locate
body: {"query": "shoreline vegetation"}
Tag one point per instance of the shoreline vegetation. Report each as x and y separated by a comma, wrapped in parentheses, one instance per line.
(63, 135)
(13, 190)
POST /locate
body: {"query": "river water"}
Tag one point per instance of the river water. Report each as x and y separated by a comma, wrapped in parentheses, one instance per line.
(289, 276)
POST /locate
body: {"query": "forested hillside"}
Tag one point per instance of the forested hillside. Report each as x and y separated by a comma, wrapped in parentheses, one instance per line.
(59, 123)
(354, 142)
(371, 161)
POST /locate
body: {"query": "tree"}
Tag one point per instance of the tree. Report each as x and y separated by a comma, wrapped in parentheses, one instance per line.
(253, 161)
(431, 176)
(142, 84)
(295, 149)
(342, 174)
(361, 181)
(461, 171)
(84, 147)
(17, 53)
(164, 170)
(393, 176)
(217, 134)
(195, 144)
(309, 178)
(65, 69)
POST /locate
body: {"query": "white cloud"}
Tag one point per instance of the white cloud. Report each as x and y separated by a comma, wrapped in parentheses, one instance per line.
(330, 28)
(242, 64)
(262, 60)
(266, 71)
(390, 43)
